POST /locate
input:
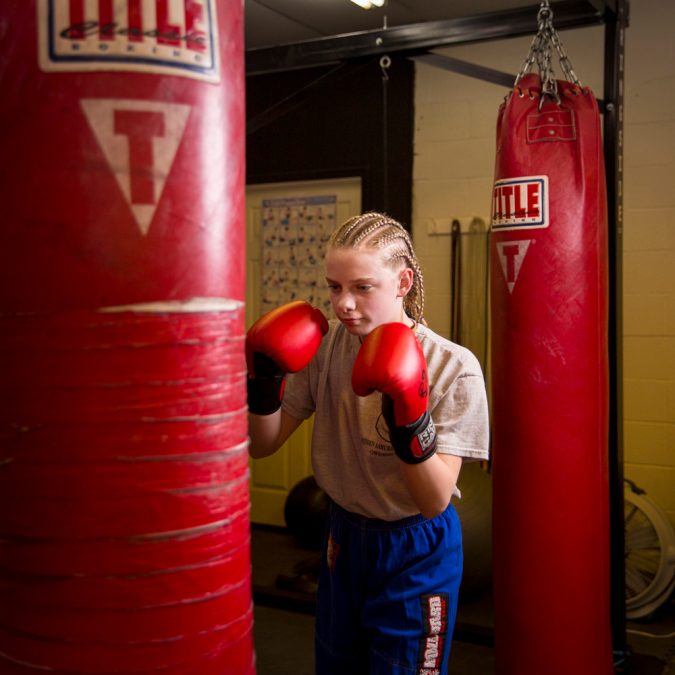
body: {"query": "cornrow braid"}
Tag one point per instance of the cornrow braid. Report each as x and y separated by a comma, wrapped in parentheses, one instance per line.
(375, 230)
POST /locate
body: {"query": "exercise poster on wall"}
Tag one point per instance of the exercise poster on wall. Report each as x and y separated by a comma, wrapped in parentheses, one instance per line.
(295, 233)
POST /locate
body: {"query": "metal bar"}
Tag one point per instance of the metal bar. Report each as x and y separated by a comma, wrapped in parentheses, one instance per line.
(613, 151)
(455, 272)
(472, 70)
(469, 69)
(602, 5)
(419, 37)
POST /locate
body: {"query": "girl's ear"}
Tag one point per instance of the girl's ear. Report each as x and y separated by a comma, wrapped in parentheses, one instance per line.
(405, 281)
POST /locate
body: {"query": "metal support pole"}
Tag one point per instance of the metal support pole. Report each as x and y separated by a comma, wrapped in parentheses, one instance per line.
(613, 150)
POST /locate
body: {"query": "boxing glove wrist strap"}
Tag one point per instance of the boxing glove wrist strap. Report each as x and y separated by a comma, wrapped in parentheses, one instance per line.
(265, 394)
(265, 387)
(413, 443)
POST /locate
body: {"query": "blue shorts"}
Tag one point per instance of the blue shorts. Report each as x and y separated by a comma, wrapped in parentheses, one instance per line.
(387, 597)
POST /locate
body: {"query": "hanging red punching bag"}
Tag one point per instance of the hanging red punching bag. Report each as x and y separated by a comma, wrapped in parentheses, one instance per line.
(124, 538)
(550, 378)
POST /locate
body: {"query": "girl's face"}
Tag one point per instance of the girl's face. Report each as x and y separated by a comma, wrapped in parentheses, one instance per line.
(365, 292)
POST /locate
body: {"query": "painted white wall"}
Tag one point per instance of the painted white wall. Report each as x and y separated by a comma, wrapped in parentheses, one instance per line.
(453, 170)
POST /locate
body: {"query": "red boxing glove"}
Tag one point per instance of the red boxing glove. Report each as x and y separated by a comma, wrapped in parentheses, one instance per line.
(279, 342)
(391, 361)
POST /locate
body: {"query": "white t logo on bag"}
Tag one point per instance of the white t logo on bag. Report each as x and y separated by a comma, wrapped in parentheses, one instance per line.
(511, 255)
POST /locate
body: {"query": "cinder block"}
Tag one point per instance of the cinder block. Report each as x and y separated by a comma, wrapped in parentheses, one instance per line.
(437, 314)
(647, 98)
(648, 272)
(435, 85)
(658, 482)
(649, 187)
(644, 314)
(442, 198)
(649, 40)
(441, 121)
(650, 144)
(479, 196)
(650, 358)
(649, 443)
(645, 400)
(437, 277)
(454, 159)
(670, 314)
(670, 401)
(482, 122)
(649, 229)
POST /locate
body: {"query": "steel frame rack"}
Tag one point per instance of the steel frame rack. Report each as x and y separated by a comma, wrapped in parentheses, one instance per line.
(416, 41)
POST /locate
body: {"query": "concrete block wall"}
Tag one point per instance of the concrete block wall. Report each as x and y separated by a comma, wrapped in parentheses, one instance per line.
(649, 252)
(452, 178)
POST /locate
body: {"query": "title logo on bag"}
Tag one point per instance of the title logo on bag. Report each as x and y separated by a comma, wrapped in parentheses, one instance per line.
(520, 203)
(172, 37)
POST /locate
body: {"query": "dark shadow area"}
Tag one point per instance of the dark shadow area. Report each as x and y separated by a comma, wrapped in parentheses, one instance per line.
(283, 581)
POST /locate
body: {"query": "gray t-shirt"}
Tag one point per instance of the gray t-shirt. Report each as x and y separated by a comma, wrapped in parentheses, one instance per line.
(352, 458)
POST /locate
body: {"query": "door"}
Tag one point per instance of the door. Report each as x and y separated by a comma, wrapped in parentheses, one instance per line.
(272, 478)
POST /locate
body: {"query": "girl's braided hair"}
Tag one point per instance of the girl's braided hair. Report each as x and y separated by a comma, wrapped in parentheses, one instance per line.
(375, 230)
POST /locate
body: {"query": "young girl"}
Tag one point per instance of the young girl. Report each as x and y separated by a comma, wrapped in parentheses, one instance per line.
(396, 410)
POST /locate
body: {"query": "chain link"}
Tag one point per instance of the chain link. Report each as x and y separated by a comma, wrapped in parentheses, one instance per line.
(565, 63)
(540, 52)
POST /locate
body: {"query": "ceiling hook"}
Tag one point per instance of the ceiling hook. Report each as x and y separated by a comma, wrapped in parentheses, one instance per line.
(385, 62)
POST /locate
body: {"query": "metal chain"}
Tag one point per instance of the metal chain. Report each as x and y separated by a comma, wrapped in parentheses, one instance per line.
(565, 63)
(540, 52)
(549, 86)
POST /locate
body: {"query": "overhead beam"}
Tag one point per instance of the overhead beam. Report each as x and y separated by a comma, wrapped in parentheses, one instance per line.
(473, 70)
(420, 37)
(602, 5)
(465, 68)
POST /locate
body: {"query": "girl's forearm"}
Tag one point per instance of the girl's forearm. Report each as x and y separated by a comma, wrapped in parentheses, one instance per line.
(432, 482)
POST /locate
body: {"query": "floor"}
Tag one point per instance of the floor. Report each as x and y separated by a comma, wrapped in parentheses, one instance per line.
(283, 590)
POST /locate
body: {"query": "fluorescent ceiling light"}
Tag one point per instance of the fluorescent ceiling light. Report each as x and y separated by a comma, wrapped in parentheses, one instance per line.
(367, 4)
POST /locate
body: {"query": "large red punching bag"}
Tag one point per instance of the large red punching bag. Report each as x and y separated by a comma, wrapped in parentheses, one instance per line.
(124, 538)
(549, 381)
